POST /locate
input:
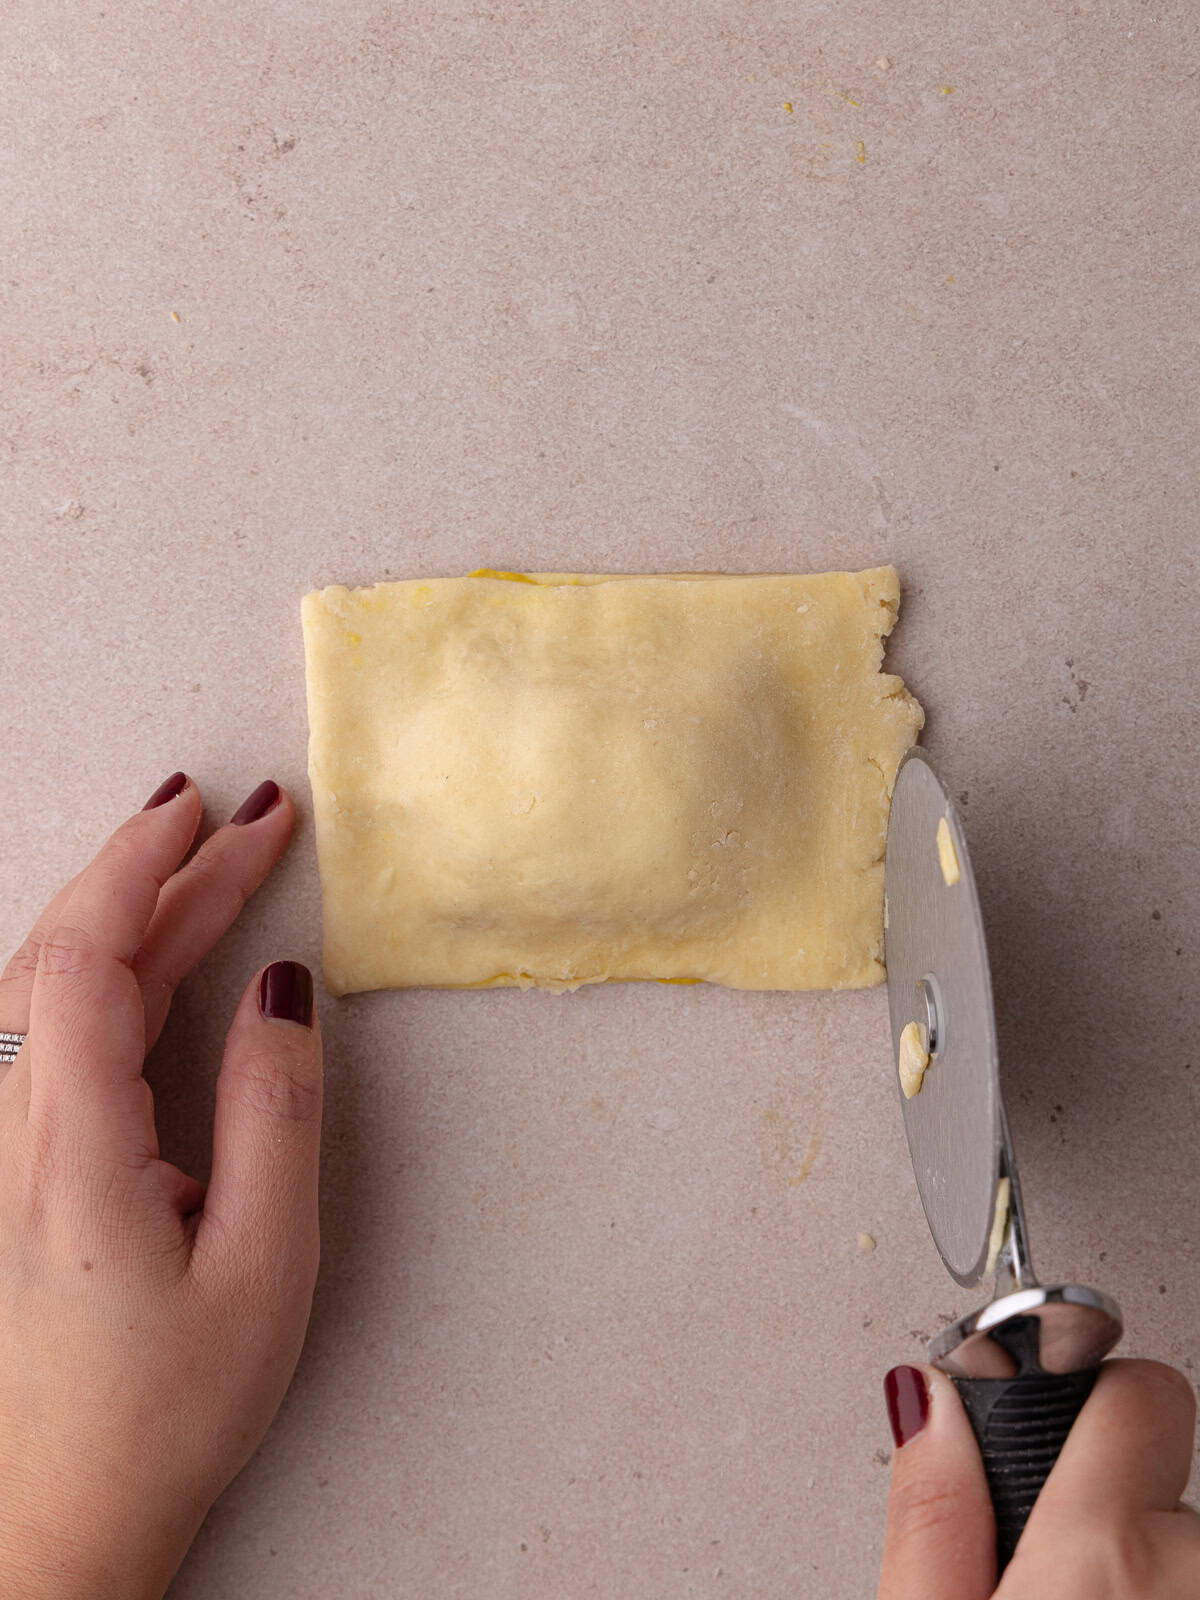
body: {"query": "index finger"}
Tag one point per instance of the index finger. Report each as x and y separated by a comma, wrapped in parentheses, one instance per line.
(86, 1022)
(1130, 1449)
(16, 981)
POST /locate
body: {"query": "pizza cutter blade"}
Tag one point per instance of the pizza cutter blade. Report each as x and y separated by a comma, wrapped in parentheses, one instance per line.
(1025, 1363)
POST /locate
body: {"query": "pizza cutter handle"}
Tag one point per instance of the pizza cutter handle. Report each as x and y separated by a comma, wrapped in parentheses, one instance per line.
(1021, 1425)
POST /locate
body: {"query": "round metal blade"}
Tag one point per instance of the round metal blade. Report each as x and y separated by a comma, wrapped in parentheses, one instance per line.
(938, 978)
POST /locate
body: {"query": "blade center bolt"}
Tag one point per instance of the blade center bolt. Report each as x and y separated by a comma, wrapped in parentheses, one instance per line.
(929, 999)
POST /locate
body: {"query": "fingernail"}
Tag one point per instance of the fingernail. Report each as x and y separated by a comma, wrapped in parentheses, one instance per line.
(167, 790)
(257, 804)
(285, 993)
(907, 1399)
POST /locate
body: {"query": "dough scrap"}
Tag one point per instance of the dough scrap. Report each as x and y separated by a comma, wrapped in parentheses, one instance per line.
(571, 779)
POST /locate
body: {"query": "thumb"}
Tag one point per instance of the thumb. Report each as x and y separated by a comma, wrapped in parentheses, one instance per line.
(941, 1536)
(262, 1195)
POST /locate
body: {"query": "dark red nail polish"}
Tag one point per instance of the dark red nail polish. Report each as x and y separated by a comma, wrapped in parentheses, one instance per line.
(167, 790)
(257, 804)
(907, 1398)
(285, 993)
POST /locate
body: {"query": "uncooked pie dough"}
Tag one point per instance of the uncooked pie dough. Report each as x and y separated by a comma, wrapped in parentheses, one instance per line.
(564, 779)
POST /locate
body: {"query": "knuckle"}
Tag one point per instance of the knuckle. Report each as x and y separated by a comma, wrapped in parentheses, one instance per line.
(216, 880)
(920, 1506)
(67, 953)
(125, 1225)
(1132, 1559)
(277, 1085)
(141, 1105)
(1170, 1379)
(22, 966)
(27, 1163)
(1112, 1558)
(154, 981)
(69, 1197)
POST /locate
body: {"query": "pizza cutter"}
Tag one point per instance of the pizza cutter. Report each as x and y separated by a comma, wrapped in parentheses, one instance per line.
(1024, 1364)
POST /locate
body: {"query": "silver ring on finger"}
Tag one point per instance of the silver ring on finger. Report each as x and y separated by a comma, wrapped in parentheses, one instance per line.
(10, 1043)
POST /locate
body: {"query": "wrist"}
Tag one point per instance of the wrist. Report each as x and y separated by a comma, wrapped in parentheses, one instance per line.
(41, 1570)
(53, 1551)
(37, 1566)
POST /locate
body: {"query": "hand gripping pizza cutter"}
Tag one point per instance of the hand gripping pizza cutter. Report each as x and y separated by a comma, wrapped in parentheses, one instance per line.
(1025, 1363)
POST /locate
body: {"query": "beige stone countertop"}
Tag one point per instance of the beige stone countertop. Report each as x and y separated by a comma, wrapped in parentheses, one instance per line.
(304, 292)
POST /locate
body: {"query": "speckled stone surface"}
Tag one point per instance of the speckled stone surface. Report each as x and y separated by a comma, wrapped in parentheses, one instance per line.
(332, 291)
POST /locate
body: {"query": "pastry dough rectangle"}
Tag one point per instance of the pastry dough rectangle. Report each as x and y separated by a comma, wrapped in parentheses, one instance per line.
(569, 779)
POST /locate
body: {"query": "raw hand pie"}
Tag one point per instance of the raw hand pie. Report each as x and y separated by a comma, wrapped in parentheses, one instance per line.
(560, 780)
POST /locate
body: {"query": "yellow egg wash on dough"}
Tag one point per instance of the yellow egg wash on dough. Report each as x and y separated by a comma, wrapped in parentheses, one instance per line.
(510, 577)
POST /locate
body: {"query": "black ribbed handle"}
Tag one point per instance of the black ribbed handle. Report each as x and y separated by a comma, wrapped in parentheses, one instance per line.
(1021, 1424)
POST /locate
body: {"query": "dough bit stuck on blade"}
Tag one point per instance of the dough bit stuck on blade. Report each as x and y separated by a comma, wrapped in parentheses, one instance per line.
(914, 1060)
(947, 854)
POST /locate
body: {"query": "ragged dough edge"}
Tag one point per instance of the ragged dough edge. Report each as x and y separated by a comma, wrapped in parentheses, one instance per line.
(878, 584)
(872, 581)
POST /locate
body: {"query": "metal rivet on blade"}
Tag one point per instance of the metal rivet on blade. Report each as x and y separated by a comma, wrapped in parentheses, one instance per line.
(929, 998)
